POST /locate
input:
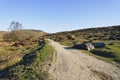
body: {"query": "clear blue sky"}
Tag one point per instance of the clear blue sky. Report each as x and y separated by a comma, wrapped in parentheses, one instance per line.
(59, 15)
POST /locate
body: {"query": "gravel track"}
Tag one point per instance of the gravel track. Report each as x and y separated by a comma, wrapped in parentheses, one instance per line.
(71, 64)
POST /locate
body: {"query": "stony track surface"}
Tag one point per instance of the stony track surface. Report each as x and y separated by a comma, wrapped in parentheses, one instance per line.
(72, 64)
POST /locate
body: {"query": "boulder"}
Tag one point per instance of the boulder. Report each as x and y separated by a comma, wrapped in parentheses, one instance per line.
(85, 46)
(99, 44)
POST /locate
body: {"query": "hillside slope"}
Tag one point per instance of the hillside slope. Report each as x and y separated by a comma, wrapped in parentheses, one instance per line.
(102, 33)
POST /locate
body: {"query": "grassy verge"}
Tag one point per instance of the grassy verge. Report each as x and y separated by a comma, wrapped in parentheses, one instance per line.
(43, 58)
(46, 53)
(32, 66)
(97, 56)
(110, 52)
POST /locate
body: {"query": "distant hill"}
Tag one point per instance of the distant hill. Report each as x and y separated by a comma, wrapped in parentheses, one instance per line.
(101, 33)
(34, 30)
(40, 32)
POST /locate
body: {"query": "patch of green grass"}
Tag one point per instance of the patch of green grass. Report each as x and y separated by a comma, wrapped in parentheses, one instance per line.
(111, 52)
(46, 52)
(97, 56)
(35, 69)
(66, 42)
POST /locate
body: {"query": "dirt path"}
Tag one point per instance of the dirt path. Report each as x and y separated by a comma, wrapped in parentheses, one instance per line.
(75, 65)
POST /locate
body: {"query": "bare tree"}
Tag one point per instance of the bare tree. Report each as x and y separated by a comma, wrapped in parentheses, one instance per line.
(15, 26)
